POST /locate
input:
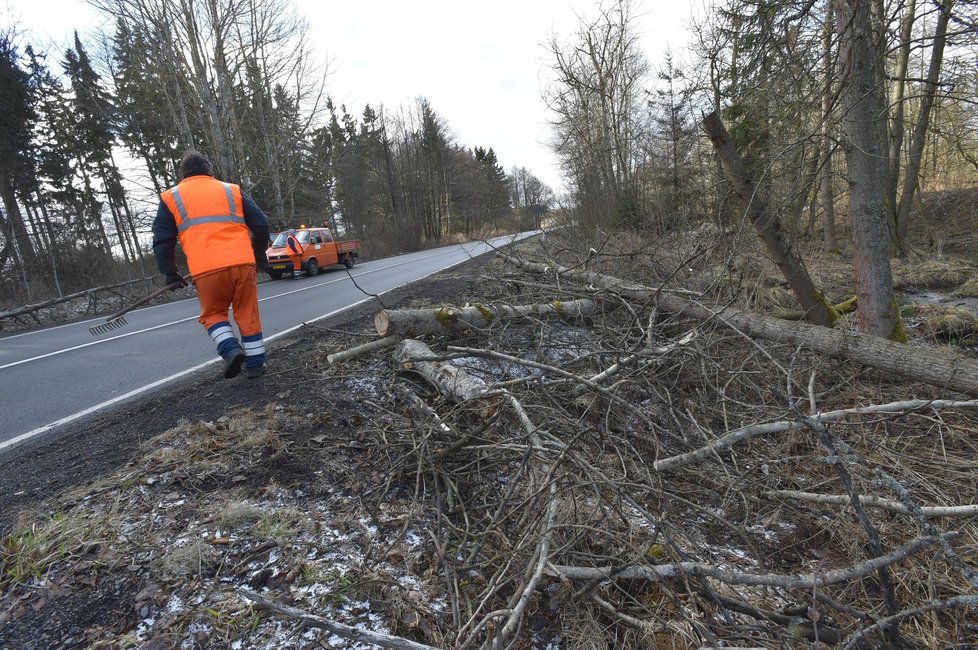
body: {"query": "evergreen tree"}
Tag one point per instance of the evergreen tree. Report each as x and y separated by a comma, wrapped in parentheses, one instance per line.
(144, 129)
(17, 117)
(94, 114)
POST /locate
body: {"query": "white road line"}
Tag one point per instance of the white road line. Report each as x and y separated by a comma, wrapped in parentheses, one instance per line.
(160, 382)
(308, 287)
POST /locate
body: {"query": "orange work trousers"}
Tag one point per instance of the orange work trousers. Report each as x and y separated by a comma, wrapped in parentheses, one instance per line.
(233, 287)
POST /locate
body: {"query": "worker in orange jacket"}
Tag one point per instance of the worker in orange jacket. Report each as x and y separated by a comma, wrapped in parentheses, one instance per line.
(224, 235)
(295, 246)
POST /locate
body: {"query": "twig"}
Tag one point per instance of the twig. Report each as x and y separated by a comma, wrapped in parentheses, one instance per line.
(876, 502)
(738, 435)
(831, 445)
(804, 581)
(477, 352)
(934, 605)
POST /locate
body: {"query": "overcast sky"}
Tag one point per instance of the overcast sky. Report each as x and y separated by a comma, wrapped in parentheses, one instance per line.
(482, 65)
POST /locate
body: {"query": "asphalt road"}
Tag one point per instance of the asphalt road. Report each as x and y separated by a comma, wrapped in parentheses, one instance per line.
(60, 374)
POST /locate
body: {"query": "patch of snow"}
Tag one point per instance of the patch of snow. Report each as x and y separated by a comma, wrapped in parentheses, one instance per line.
(367, 526)
(372, 386)
(175, 604)
(144, 627)
(412, 538)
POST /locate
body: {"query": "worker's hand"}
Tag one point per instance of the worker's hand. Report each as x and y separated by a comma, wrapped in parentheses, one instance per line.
(261, 262)
(175, 278)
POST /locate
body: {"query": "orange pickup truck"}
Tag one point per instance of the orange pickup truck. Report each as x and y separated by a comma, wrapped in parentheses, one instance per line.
(319, 250)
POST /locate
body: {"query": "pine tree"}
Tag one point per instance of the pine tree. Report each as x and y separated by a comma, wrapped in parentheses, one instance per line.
(17, 117)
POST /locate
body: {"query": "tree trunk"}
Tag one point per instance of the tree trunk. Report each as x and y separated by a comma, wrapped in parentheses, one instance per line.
(899, 107)
(15, 221)
(52, 239)
(877, 312)
(813, 303)
(828, 197)
(936, 366)
(910, 181)
(418, 322)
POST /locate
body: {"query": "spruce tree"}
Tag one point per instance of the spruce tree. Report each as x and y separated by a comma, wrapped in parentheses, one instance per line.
(17, 117)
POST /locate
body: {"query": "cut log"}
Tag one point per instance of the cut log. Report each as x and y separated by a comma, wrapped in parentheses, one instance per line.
(450, 380)
(418, 322)
(936, 366)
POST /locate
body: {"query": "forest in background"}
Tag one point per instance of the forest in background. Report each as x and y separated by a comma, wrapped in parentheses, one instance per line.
(235, 79)
(818, 97)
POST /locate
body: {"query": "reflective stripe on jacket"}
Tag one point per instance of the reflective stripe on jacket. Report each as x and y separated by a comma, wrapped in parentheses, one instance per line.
(211, 227)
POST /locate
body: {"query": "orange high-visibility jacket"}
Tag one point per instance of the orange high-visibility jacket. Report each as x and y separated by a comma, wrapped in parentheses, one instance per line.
(210, 223)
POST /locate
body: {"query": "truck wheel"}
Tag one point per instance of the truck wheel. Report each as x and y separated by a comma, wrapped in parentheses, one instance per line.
(349, 260)
(275, 275)
(312, 267)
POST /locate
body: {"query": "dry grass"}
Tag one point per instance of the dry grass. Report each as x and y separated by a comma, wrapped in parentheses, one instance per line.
(932, 273)
(946, 323)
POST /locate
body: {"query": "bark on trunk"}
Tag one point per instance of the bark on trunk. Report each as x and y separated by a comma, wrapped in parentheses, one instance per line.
(418, 322)
(938, 367)
(864, 109)
(813, 303)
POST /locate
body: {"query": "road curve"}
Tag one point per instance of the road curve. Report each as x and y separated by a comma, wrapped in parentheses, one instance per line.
(53, 376)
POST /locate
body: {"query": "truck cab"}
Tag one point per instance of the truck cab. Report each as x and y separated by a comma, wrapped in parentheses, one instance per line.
(319, 250)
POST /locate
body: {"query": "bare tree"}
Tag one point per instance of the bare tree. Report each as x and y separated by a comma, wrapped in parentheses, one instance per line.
(596, 103)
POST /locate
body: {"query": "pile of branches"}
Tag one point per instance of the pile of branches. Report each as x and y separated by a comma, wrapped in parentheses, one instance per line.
(612, 471)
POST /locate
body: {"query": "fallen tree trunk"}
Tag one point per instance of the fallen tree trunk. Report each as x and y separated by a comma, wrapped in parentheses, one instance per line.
(418, 322)
(27, 309)
(450, 380)
(939, 367)
(814, 305)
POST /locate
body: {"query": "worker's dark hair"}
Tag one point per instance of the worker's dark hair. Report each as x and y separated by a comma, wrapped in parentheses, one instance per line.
(195, 163)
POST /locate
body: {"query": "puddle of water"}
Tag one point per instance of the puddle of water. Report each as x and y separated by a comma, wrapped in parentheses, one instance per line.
(937, 298)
